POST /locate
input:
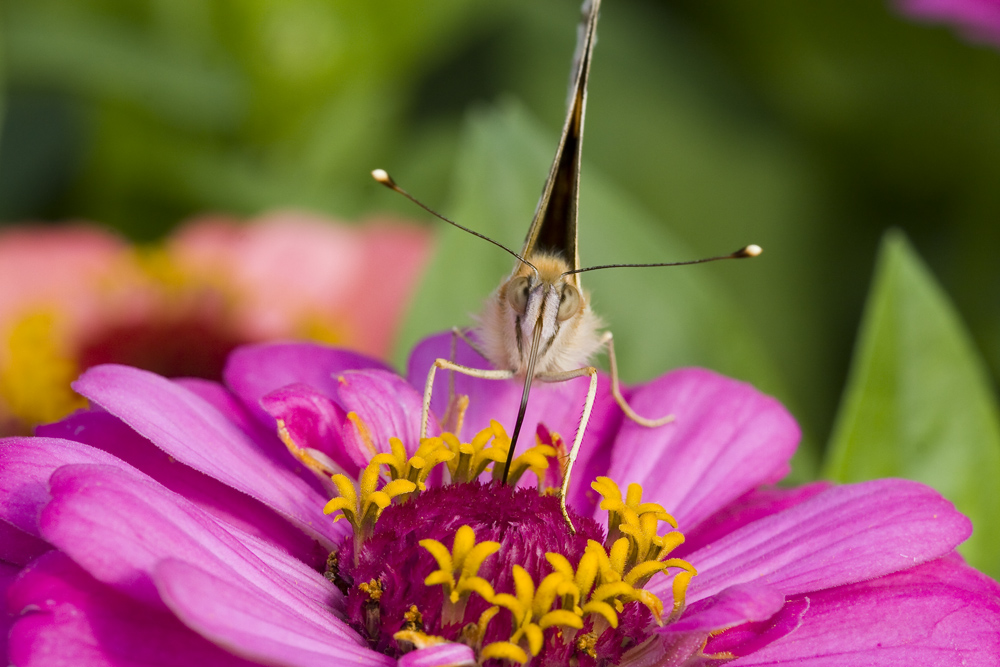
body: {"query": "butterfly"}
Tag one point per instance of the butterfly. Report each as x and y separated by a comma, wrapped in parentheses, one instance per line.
(538, 324)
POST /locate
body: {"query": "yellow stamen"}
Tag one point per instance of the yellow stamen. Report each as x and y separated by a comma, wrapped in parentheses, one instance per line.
(464, 559)
(629, 511)
(504, 651)
(489, 447)
(313, 459)
(618, 557)
(651, 601)
(531, 610)
(586, 643)
(680, 586)
(643, 572)
(416, 468)
(602, 609)
(373, 589)
(419, 639)
(473, 634)
(413, 619)
(535, 459)
(472, 458)
(363, 507)
(363, 432)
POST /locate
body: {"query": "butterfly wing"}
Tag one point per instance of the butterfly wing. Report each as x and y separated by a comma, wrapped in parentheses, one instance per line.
(554, 227)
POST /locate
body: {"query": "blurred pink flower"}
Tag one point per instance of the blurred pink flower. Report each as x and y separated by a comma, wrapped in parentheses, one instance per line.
(978, 20)
(73, 297)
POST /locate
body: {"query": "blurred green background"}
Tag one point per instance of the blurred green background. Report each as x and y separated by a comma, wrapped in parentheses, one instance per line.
(809, 128)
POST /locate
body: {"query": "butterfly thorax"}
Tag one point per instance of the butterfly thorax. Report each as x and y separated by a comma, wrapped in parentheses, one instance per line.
(550, 300)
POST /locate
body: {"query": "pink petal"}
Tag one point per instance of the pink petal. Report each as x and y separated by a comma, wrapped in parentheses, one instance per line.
(733, 606)
(314, 421)
(843, 535)
(247, 623)
(71, 619)
(18, 547)
(450, 654)
(939, 613)
(387, 405)
(978, 20)
(750, 637)
(557, 406)
(107, 432)
(8, 572)
(267, 439)
(195, 433)
(119, 526)
(25, 466)
(254, 371)
(727, 438)
(753, 506)
(230, 406)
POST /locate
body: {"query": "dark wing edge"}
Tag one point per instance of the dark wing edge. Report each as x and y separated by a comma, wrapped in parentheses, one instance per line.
(554, 227)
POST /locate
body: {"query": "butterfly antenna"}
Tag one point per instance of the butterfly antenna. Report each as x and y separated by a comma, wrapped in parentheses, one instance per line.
(385, 179)
(746, 251)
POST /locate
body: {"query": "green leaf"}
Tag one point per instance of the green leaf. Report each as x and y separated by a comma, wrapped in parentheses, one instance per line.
(662, 318)
(99, 58)
(3, 83)
(919, 403)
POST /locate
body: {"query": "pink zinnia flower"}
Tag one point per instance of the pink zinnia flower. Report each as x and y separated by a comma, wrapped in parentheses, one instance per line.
(169, 525)
(978, 20)
(75, 297)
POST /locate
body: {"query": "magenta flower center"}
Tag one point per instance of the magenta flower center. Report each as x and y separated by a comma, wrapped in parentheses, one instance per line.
(495, 567)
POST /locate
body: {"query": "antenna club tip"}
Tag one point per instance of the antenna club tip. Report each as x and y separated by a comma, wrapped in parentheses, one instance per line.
(382, 176)
(752, 250)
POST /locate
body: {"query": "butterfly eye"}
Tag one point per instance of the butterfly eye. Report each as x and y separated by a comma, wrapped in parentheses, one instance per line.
(517, 293)
(569, 305)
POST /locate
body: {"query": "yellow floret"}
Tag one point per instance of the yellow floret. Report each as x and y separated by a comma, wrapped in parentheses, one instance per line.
(464, 560)
(416, 468)
(363, 507)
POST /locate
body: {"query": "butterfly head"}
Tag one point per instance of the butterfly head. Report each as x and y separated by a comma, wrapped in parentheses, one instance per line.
(538, 299)
(543, 292)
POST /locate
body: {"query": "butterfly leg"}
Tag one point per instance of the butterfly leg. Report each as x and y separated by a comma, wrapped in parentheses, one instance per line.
(574, 451)
(452, 418)
(608, 340)
(464, 335)
(452, 366)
